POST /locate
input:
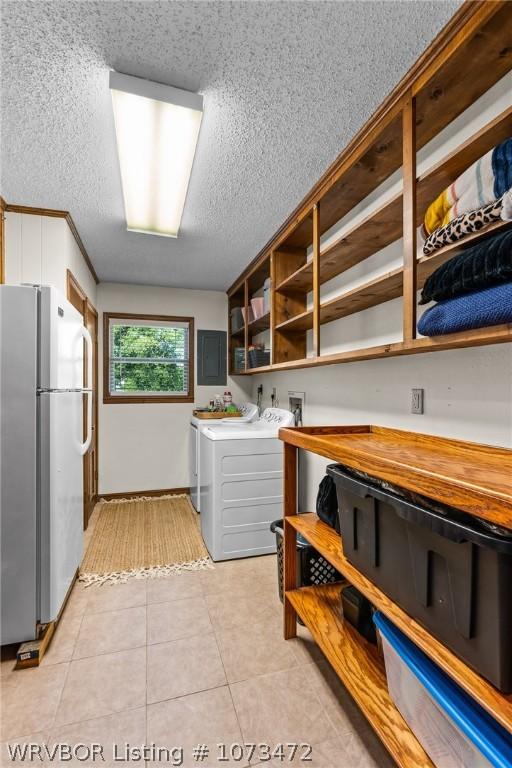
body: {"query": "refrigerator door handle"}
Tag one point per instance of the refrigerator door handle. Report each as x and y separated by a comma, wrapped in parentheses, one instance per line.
(88, 342)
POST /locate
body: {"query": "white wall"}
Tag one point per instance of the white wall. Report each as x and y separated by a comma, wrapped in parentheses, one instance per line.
(40, 249)
(145, 446)
(468, 395)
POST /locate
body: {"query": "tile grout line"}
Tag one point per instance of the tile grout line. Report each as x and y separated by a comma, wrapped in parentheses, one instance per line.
(51, 727)
(228, 684)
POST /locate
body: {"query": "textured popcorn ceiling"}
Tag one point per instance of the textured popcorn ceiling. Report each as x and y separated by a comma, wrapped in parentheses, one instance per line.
(285, 85)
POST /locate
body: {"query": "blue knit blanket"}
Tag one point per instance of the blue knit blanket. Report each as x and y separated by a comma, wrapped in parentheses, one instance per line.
(478, 309)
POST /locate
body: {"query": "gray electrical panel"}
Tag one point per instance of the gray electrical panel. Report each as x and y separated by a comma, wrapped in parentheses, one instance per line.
(212, 358)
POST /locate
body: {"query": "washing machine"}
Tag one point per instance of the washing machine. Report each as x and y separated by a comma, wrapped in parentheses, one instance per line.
(242, 485)
(249, 413)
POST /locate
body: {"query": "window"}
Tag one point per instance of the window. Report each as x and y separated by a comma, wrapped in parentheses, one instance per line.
(148, 359)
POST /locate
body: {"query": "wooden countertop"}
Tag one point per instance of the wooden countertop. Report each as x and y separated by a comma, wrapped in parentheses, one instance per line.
(472, 477)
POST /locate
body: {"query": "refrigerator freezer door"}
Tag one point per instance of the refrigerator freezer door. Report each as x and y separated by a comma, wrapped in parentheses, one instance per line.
(61, 497)
(62, 342)
(18, 492)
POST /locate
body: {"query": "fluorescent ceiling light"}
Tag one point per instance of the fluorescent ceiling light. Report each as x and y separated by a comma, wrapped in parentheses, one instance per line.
(157, 127)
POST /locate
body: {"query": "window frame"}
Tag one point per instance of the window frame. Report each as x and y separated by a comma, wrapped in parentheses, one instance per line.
(110, 398)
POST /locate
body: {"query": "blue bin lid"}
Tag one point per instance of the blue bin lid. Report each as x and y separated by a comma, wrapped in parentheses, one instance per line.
(493, 741)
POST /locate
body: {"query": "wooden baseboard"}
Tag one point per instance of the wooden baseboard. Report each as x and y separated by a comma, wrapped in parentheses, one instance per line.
(133, 494)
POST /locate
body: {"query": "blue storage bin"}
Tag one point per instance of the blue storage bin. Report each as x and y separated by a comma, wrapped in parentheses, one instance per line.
(454, 730)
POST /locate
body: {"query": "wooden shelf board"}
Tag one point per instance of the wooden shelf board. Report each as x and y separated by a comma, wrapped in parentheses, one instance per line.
(360, 668)
(239, 334)
(370, 294)
(377, 291)
(385, 287)
(472, 477)
(498, 334)
(427, 264)
(260, 324)
(374, 232)
(259, 274)
(328, 543)
(300, 281)
(371, 234)
(384, 226)
(301, 322)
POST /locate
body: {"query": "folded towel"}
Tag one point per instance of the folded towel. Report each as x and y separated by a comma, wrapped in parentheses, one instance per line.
(480, 184)
(479, 309)
(484, 264)
(470, 222)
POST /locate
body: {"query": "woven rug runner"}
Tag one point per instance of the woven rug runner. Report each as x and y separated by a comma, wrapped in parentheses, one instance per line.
(144, 538)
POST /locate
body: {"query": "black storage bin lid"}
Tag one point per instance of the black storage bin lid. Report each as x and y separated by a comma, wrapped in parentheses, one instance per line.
(446, 521)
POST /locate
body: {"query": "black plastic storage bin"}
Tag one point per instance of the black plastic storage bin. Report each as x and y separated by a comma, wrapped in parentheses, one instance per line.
(440, 565)
(312, 568)
(258, 358)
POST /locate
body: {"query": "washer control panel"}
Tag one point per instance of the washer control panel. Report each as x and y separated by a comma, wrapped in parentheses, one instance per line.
(278, 417)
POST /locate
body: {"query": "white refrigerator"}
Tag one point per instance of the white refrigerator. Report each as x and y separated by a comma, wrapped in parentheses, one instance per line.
(41, 448)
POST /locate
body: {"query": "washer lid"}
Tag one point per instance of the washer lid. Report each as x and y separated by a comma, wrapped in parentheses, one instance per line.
(267, 426)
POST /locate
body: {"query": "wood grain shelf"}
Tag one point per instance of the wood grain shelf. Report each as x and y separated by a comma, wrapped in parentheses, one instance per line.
(374, 232)
(385, 287)
(300, 322)
(328, 543)
(427, 264)
(260, 324)
(497, 334)
(239, 333)
(370, 294)
(472, 477)
(383, 226)
(360, 668)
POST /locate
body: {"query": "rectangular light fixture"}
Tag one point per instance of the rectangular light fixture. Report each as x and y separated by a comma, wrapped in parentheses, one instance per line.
(157, 127)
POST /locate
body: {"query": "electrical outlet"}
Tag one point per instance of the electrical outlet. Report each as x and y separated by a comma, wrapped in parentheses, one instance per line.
(417, 400)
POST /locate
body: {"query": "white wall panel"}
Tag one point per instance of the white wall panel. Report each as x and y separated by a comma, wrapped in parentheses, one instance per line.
(30, 248)
(145, 446)
(40, 249)
(12, 248)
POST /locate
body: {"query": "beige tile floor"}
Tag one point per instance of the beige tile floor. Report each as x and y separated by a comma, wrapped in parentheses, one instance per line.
(196, 658)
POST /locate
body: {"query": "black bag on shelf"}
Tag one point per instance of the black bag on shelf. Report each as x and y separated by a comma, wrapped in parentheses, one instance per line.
(327, 503)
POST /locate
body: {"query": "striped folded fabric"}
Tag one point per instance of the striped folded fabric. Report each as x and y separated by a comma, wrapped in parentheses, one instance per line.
(468, 223)
(478, 309)
(487, 263)
(482, 183)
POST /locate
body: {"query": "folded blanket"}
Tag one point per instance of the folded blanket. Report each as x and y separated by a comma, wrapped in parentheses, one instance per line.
(480, 184)
(479, 309)
(470, 222)
(484, 264)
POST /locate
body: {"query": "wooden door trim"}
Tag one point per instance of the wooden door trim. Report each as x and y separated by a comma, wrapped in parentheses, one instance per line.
(2, 240)
(87, 309)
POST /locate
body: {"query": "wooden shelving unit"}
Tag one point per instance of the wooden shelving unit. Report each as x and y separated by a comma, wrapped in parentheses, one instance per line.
(474, 477)
(241, 297)
(360, 668)
(469, 56)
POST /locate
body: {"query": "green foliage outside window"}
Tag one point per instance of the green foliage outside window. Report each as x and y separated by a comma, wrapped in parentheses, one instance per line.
(150, 359)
